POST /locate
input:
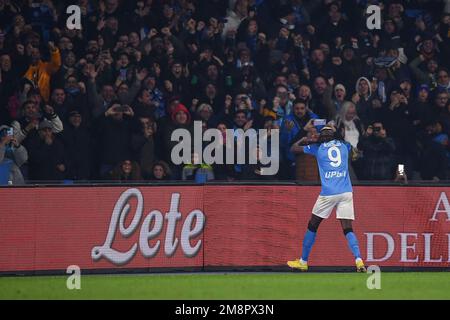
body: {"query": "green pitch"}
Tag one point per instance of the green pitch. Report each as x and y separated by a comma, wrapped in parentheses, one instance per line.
(256, 286)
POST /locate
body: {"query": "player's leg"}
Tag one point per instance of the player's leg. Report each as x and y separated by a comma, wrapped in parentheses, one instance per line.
(307, 244)
(352, 241)
(345, 214)
(322, 210)
(310, 236)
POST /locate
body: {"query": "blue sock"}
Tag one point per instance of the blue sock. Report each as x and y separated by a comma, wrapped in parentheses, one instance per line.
(308, 242)
(353, 244)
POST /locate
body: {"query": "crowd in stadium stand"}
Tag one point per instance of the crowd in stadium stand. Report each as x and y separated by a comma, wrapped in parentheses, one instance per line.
(101, 103)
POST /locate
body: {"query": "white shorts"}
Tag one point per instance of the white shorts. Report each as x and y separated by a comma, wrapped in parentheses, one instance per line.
(343, 202)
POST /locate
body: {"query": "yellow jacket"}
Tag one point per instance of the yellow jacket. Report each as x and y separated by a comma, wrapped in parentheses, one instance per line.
(41, 73)
(269, 113)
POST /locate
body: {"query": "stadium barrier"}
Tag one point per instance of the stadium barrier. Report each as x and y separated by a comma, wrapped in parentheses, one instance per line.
(209, 227)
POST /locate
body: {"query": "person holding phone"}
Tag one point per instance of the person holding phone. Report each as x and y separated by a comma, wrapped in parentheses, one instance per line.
(378, 153)
(114, 136)
(14, 153)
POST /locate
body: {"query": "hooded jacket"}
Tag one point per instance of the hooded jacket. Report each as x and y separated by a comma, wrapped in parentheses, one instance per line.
(368, 82)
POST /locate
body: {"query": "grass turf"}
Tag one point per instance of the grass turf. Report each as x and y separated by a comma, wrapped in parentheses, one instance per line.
(273, 286)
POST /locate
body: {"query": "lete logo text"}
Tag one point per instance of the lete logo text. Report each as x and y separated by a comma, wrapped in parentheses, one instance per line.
(154, 218)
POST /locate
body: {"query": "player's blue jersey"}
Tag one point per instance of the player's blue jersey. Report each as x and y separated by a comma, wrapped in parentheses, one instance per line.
(332, 159)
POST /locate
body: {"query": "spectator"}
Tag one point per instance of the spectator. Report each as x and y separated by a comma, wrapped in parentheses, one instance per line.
(126, 170)
(433, 152)
(59, 103)
(181, 119)
(144, 104)
(8, 82)
(223, 171)
(320, 67)
(205, 113)
(349, 67)
(321, 95)
(306, 169)
(231, 55)
(294, 127)
(421, 109)
(114, 137)
(15, 101)
(28, 124)
(378, 153)
(14, 152)
(351, 129)
(241, 123)
(304, 93)
(144, 145)
(199, 172)
(400, 124)
(443, 80)
(156, 96)
(254, 171)
(100, 102)
(46, 155)
(339, 97)
(441, 100)
(40, 72)
(77, 148)
(349, 125)
(361, 99)
(281, 105)
(160, 171)
(234, 17)
(427, 76)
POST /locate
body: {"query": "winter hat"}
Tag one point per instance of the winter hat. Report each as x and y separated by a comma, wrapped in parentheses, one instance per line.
(340, 86)
(204, 106)
(180, 107)
(423, 87)
(45, 124)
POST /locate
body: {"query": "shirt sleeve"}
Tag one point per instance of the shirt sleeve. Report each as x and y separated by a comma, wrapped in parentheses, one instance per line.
(311, 149)
(349, 146)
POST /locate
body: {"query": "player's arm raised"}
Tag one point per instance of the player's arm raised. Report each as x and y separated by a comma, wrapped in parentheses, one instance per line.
(297, 147)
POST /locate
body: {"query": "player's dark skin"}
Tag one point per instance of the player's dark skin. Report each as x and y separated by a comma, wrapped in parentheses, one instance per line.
(315, 221)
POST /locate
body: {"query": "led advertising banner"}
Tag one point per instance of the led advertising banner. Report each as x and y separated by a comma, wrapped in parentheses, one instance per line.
(201, 227)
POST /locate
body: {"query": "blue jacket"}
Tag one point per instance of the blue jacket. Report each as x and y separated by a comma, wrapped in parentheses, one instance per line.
(287, 136)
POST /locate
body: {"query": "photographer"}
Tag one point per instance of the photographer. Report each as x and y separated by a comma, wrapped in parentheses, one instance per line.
(281, 104)
(378, 153)
(399, 123)
(114, 136)
(10, 149)
(244, 103)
